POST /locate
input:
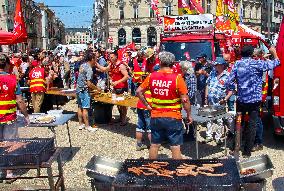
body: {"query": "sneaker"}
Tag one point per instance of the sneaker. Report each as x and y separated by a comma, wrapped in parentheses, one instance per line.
(11, 179)
(81, 127)
(141, 147)
(257, 148)
(92, 129)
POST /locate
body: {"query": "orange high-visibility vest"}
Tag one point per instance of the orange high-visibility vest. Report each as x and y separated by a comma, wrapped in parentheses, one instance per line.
(8, 104)
(147, 95)
(163, 87)
(37, 83)
(138, 71)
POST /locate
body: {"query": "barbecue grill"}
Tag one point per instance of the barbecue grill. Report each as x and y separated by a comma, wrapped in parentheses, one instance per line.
(102, 171)
(128, 181)
(211, 111)
(36, 151)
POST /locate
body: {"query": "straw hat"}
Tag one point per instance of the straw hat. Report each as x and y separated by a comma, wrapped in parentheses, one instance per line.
(149, 53)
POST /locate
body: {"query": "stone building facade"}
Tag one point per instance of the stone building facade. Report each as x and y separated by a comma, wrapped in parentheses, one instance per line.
(53, 30)
(276, 15)
(129, 21)
(77, 36)
(40, 22)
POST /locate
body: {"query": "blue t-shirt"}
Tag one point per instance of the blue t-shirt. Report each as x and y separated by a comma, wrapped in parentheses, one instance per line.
(102, 62)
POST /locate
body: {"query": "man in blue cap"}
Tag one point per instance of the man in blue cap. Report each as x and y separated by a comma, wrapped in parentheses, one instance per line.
(216, 94)
(202, 70)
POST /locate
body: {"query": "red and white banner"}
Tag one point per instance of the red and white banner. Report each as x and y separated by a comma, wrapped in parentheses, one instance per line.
(122, 52)
(154, 6)
(19, 32)
(188, 23)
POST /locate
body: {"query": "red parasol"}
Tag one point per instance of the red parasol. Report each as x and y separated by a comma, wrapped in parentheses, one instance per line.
(19, 33)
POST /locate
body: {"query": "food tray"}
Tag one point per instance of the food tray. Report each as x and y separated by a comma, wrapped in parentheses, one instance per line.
(36, 151)
(211, 111)
(36, 118)
(262, 164)
(103, 169)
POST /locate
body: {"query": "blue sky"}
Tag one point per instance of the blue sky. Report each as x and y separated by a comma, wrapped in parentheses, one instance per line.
(78, 16)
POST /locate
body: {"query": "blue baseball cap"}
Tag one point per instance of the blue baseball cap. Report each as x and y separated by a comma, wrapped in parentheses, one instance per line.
(202, 55)
(220, 60)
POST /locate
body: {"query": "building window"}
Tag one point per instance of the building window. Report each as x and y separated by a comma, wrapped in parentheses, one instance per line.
(152, 13)
(135, 11)
(168, 8)
(121, 37)
(136, 36)
(121, 12)
(151, 36)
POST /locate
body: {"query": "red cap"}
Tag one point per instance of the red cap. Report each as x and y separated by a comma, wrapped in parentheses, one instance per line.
(34, 63)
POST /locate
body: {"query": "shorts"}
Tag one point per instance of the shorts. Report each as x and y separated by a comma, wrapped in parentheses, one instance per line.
(84, 99)
(143, 124)
(9, 131)
(120, 90)
(166, 129)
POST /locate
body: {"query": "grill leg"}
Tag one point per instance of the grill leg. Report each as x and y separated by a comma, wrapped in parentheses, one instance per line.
(196, 140)
(225, 133)
(50, 179)
(60, 170)
(238, 136)
(52, 129)
(69, 137)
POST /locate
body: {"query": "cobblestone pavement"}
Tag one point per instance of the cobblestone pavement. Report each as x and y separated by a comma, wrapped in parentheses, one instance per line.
(119, 143)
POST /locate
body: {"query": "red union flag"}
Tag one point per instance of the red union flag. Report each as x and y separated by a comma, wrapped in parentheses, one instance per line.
(110, 40)
(122, 52)
(154, 7)
(189, 7)
(19, 32)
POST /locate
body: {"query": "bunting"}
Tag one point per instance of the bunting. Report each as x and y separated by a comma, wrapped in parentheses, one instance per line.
(189, 7)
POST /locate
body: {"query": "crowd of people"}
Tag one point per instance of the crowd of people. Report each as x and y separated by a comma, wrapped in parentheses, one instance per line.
(163, 86)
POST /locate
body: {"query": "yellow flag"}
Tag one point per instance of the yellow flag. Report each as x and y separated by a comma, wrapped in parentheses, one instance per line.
(233, 15)
(219, 8)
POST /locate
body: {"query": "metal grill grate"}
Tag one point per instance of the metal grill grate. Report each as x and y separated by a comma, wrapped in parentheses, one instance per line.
(36, 151)
(130, 181)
